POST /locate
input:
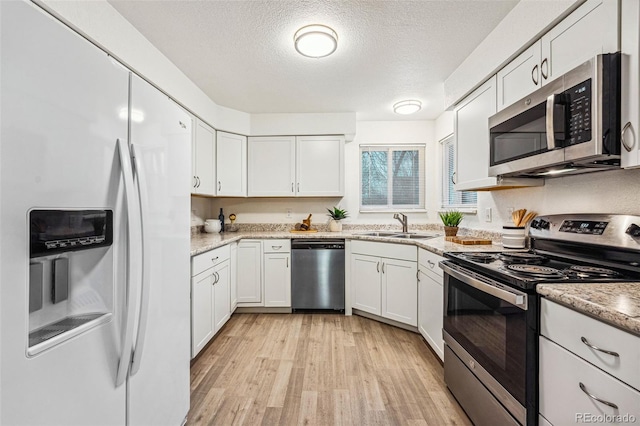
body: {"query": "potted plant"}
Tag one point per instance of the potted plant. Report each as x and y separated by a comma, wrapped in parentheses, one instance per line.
(451, 219)
(336, 216)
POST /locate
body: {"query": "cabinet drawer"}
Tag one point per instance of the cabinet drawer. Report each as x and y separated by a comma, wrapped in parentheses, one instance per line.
(573, 331)
(563, 402)
(209, 259)
(392, 251)
(276, 246)
(429, 263)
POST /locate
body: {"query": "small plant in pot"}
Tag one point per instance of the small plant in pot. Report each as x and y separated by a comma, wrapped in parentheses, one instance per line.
(451, 219)
(336, 214)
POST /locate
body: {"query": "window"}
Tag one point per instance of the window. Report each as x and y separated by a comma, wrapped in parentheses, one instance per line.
(450, 197)
(392, 177)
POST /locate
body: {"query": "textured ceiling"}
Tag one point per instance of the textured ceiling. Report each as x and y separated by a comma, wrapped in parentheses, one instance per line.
(241, 54)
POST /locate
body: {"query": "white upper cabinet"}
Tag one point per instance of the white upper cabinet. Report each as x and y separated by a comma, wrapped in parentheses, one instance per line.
(320, 166)
(520, 77)
(590, 30)
(272, 166)
(471, 123)
(630, 106)
(288, 166)
(231, 165)
(203, 159)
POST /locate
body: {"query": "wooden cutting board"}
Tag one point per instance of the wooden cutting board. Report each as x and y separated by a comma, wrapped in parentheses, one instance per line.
(310, 231)
(468, 240)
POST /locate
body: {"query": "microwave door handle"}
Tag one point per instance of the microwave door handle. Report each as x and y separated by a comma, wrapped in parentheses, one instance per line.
(516, 299)
(551, 138)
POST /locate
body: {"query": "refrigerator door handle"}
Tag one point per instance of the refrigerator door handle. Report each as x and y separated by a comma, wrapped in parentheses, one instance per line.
(146, 262)
(134, 251)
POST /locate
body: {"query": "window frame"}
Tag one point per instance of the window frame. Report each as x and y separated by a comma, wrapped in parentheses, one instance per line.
(390, 148)
(447, 145)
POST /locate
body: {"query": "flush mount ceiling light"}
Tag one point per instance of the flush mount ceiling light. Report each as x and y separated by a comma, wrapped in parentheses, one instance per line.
(315, 41)
(407, 107)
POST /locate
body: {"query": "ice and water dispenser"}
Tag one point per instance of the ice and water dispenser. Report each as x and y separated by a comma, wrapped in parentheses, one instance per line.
(71, 274)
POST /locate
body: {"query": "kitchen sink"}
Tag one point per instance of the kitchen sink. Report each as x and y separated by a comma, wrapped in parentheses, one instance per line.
(415, 236)
(405, 235)
(378, 234)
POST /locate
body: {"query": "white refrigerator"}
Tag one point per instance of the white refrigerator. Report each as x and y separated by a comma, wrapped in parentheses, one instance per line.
(94, 234)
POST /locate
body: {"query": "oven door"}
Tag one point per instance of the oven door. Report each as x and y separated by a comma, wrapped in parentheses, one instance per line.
(485, 324)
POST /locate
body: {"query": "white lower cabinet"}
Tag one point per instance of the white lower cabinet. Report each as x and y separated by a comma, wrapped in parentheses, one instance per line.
(385, 286)
(430, 300)
(210, 303)
(277, 273)
(233, 288)
(249, 272)
(264, 273)
(589, 371)
(202, 327)
(366, 283)
(221, 298)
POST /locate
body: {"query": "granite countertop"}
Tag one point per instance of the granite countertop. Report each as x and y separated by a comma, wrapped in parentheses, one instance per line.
(615, 303)
(202, 242)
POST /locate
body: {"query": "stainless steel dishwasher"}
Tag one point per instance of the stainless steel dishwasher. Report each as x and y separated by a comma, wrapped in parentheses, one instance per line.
(317, 274)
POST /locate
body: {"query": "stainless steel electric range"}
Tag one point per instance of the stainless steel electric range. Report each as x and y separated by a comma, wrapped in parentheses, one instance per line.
(491, 309)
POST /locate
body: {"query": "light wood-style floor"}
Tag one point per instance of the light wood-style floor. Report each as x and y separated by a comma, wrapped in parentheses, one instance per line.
(318, 369)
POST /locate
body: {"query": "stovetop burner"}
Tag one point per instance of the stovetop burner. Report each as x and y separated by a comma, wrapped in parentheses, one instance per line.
(479, 257)
(584, 271)
(535, 271)
(522, 257)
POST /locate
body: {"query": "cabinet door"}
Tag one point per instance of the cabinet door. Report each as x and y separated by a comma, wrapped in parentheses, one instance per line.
(472, 137)
(221, 301)
(205, 159)
(233, 286)
(589, 30)
(271, 166)
(631, 82)
(519, 77)
(320, 166)
(430, 311)
(365, 283)
(231, 165)
(400, 291)
(202, 325)
(277, 279)
(249, 272)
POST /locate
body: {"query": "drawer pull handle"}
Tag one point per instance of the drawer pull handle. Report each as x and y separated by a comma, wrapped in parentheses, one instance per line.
(276, 247)
(213, 259)
(595, 398)
(431, 264)
(586, 342)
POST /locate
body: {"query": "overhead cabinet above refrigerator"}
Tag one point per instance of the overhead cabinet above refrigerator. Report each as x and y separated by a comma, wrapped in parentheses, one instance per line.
(95, 234)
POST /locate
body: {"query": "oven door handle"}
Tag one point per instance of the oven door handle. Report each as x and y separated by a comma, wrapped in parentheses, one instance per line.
(515, 298)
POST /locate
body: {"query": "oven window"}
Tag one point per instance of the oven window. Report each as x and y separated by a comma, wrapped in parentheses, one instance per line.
(491, 330)
(519, 137)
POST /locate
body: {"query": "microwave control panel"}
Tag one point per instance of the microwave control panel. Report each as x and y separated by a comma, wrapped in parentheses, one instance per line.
(578, 100)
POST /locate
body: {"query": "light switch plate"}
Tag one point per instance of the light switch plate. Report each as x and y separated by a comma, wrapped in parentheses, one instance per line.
(487, 214)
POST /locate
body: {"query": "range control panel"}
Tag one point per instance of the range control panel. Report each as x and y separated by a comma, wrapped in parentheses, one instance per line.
(583, 227)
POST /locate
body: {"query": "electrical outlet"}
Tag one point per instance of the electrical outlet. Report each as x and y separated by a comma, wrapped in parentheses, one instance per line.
(288, 213)
(487, 214)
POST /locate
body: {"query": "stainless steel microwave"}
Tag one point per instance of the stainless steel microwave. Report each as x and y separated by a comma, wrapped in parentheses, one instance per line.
(570, 125)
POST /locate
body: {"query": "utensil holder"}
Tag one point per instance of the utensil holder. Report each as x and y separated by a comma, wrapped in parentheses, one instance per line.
(513, 237)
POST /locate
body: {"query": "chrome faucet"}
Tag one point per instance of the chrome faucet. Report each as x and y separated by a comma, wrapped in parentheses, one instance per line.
(403, 220)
